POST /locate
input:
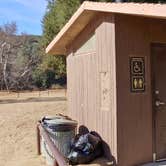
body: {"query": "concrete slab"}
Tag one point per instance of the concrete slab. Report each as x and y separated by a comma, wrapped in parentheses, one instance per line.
(156, 164)
(99, 162)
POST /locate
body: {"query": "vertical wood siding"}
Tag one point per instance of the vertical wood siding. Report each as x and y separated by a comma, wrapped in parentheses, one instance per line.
(125, 123)
(134, 109)
(106, 63)
(84, 82)
(134, 36)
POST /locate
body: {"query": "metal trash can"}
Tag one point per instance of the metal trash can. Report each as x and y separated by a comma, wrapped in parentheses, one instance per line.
(61, 131)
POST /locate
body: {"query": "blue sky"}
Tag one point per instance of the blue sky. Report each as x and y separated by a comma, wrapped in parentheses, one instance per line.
(26, 13)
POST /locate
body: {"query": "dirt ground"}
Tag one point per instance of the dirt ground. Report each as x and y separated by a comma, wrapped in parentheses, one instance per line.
(18, 118)
(19, 114)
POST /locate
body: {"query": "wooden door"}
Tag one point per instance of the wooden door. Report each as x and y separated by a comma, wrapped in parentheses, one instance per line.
(159, 89)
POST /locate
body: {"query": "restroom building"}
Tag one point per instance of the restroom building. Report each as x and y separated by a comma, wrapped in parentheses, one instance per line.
(116, 76)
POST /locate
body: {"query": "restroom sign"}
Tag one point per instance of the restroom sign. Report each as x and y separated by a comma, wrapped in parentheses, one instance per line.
(137, 74)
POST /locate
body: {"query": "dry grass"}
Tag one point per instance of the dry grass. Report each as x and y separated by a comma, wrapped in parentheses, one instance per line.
(34, 94)
(18, 120)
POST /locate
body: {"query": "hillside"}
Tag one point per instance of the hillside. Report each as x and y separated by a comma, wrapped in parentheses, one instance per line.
(19, 57)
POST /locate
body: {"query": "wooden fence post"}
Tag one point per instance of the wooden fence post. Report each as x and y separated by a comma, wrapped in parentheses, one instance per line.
(38, 140)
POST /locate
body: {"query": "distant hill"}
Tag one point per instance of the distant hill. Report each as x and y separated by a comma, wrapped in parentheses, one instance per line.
(20, 55)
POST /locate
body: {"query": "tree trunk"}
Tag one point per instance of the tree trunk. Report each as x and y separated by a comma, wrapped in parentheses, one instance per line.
(4, 72)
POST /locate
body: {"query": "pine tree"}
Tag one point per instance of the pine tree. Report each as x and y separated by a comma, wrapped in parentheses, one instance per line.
(57, 14)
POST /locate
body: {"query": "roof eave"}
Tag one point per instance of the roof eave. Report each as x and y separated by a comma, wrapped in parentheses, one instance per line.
(89, 9)
(50, 48)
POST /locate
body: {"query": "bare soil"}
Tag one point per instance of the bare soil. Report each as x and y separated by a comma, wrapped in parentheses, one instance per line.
(18, 119)
(19, 114)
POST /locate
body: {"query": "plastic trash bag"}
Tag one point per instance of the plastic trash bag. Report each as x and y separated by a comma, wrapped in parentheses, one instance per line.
(85, 148)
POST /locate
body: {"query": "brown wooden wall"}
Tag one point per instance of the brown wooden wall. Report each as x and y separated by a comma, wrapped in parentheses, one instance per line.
(122, 118)
(134, 36)
(89, 74)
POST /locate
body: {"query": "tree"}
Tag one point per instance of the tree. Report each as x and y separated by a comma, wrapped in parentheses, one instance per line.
(19, 56)
(28, 59)
(50, 72)
(59, 11)
(7, 44)
(57, 14)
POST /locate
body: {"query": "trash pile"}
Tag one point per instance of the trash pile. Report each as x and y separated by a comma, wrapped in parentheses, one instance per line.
(79, 148)
(85, 148)
(61, 130)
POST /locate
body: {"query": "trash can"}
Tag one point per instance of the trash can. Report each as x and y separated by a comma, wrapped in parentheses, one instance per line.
(61, 131)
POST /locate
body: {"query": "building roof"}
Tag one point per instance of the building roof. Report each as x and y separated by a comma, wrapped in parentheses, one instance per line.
(88, 10)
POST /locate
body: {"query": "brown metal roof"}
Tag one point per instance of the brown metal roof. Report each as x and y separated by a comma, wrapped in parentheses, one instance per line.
(89, 9)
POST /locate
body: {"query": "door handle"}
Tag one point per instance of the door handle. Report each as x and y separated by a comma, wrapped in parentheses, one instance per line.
(159, 103)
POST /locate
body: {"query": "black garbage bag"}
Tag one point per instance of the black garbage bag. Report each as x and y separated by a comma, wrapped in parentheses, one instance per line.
(87, 143)
(85, 148)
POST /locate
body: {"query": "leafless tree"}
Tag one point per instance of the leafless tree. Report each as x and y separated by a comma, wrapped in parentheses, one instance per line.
(17, 58)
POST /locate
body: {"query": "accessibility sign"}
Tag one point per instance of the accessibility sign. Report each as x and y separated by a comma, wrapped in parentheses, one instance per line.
(137, 74)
